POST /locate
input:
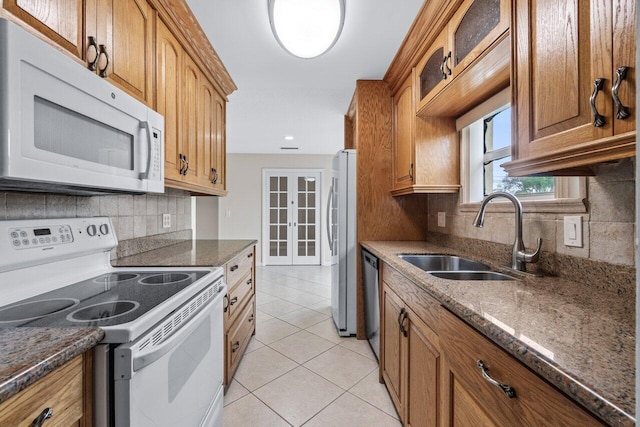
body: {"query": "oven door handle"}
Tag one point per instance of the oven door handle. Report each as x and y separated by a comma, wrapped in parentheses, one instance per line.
(144, 359)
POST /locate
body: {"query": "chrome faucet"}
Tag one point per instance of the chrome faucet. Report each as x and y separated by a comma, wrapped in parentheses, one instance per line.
(519, 257)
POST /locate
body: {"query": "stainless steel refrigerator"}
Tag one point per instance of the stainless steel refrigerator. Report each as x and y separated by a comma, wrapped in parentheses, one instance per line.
(341, 231)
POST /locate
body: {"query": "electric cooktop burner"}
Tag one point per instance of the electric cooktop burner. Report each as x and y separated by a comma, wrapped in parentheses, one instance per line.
(30, 310)
(103, 311)
(106, 300)
(164, 279)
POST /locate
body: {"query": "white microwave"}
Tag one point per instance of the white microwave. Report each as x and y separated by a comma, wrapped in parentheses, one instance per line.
(65, 130)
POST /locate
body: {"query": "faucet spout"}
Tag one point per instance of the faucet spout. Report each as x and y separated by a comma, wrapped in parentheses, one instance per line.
(519, 257)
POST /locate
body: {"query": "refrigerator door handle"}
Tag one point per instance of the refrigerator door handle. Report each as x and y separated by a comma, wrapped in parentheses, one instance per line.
(329, 203)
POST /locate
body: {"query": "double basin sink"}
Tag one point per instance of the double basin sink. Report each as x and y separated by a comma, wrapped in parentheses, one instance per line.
(454, 267)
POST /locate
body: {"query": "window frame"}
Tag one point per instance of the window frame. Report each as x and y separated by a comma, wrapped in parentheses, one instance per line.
(570, 192)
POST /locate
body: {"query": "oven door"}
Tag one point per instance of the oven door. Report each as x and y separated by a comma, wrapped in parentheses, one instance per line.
(177, 380)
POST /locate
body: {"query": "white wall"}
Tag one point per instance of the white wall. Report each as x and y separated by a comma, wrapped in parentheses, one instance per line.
(240, 213)
(205, 213)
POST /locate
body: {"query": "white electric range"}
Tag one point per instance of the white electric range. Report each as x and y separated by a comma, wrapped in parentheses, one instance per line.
(161, 360)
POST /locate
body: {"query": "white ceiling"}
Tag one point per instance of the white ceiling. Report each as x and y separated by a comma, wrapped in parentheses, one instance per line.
(279, 94)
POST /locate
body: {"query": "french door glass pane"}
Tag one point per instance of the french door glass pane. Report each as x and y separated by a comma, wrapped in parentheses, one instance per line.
(278, 200)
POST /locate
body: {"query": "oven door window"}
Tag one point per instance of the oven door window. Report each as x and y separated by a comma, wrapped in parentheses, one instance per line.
(65, 132)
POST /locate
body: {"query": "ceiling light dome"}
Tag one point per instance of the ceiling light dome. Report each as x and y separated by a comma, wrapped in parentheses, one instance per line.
(306, 28)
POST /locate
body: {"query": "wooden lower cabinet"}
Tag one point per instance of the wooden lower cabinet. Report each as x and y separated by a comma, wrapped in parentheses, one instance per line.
(469, 398)
(240, 309)
(411, 362)
(66, 391)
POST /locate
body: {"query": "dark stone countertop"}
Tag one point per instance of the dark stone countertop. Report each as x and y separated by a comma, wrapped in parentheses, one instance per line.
(190, 253)
(29, 354)
(580, 339)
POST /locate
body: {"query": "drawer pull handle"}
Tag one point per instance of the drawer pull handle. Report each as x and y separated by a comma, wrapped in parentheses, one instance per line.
(233, 300)
(234, 268)
(401, 319)
(44, 416)
(623, 112)
(509, 391)
(93, 43)
(251, 318)
(249, 282)
(235, 347)
(598, 119)
(250, 255)
(103, 51)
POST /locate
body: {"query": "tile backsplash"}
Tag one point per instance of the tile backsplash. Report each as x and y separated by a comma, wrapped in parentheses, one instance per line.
(133, 217)
(608, 224)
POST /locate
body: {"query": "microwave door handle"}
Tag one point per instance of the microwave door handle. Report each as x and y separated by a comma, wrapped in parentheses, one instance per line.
(147, 127)
(140, 362)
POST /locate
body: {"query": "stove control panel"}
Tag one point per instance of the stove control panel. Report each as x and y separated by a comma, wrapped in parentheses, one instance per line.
(34, 237)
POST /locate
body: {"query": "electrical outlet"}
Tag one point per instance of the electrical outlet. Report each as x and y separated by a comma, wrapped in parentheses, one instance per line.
(573, 231)
(442, 219)
(166, 220)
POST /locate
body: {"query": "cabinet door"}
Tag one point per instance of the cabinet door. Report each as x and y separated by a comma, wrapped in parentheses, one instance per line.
(220, 143)
(125, 28)
(404, 114)
(470, 399)
(476, 25)
(191, 78)
(393, 348)
(168, 103)
(624, 54)
(61, 21)
(434, 71)
(207, 132)
(561, 48)
(423, 374)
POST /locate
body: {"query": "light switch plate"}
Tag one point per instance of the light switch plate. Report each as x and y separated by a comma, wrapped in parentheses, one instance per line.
(573, 231)
(166, 220)
(442, 219)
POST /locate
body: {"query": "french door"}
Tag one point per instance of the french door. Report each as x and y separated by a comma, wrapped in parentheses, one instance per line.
(291, 216)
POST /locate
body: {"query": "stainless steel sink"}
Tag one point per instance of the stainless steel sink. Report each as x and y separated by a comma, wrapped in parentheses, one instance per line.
(470, 275)
(444, 263)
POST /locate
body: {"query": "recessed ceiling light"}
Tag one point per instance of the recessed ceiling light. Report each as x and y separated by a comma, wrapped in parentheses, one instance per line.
(288, 138)
(309, 28)
(289, 148)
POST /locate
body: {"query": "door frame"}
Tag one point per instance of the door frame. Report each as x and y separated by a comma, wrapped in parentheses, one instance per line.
(264, 223)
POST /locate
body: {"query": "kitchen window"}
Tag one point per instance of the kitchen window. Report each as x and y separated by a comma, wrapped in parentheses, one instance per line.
(485, 136)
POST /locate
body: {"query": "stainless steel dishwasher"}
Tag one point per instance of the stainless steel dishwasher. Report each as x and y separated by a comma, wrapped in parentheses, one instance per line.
(372, 300)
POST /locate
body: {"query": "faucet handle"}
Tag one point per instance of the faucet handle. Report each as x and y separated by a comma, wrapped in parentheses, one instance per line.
(534, 256)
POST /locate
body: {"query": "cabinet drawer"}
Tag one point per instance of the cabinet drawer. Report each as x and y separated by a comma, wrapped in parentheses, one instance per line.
(426, 307)
(238, 337)
(62, 391)
(239, 296)
(535, 402)
(237, 268)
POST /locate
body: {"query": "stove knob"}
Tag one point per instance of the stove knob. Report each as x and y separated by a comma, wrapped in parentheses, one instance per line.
(104, 229)
(92, 230)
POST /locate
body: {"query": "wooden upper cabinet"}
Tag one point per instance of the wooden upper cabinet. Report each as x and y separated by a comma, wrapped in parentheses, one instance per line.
(125, 29)
(191, 78)
(211, 118)
(403, 136)
(219, 151)
(470, 399)
(169, 55)
(474, 39)
(566, 57)
(61, 21)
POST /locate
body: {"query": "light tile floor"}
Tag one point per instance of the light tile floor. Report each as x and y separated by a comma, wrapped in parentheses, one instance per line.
(297, 370)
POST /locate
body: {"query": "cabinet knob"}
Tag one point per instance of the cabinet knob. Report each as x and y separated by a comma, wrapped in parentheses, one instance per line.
(103, 70)
(598, 119)
(92, 63)
(44, 416)
(509, 391)
(623, 112)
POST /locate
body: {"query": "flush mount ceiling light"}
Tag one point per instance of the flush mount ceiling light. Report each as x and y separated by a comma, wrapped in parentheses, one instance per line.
(306, 28)
(288, 138)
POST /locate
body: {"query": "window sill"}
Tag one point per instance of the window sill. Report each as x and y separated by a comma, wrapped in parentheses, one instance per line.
(578, 205)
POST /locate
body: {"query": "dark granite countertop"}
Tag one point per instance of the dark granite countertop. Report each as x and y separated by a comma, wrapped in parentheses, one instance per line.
(29, 354)
(190, 253)
(578, 338)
